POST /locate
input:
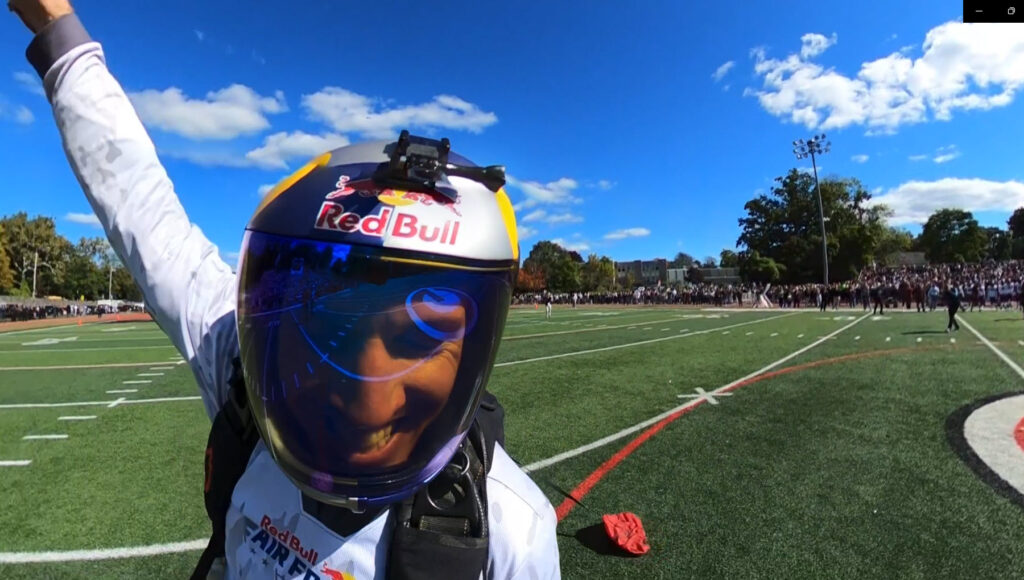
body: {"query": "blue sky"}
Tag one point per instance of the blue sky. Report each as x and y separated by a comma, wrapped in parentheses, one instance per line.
(632, 130)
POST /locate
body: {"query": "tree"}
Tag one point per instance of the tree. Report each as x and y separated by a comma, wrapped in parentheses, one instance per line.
(682, 260)
(1000, 244)
(530, 280)
(893, 241)
(756, 268)
(1016, 223)
(695, 275)
(728, 259)
(598, 274)
(34, 247)
(561, 270)
(953, 235)
(6, 274)
(783, 226)
(709, 262)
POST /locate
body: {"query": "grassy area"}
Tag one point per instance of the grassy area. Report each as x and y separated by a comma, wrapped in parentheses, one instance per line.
(834, 464)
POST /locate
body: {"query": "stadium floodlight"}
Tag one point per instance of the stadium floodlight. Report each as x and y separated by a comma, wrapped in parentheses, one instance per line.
(816, 145)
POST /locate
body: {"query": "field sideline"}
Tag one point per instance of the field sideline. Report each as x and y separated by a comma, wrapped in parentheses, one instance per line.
(752, 443)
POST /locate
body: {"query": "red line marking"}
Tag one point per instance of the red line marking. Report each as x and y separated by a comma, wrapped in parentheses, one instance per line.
(581, 490)
(1018, 434)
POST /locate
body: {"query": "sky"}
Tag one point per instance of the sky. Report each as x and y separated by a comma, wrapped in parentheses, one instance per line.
(631, 130)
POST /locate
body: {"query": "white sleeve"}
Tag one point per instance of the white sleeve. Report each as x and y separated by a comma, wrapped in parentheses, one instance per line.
(186, 285)
(524, 543)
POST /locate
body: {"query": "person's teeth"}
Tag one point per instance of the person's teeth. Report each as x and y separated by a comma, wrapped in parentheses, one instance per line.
(377, 439)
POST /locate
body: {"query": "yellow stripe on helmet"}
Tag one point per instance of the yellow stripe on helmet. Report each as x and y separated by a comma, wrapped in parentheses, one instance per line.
(292, 180)
(509, 215)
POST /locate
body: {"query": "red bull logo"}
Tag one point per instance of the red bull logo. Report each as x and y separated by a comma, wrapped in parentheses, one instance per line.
(386, 221)
(366, 188)
(335, 574)
(287, 538)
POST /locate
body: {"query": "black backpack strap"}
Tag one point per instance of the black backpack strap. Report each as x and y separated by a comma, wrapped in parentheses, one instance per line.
(442, 531)
(232, 439)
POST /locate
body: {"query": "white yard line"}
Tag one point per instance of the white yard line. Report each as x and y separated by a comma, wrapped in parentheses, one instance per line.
(161, 368)
(1009, 361)
(142, 382)
(48, 350)
(110, 554)
(96, 403)
(642, 342)
(15, 463)
(626, 326)
(68, 367)
(44, 437)
(76, 418)
(630, 430)
(150, 375)
(120, 391)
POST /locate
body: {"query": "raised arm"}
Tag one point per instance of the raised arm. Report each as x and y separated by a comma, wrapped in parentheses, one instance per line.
(187, 287)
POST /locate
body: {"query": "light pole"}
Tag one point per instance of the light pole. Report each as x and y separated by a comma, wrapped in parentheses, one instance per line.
(816, 145)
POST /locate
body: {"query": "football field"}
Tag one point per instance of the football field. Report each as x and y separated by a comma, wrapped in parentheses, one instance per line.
(752, 443)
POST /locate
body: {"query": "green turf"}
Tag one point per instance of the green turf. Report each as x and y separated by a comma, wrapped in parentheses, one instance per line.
(839, 469)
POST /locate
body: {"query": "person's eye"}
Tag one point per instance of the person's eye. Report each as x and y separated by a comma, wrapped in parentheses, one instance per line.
(412, 344)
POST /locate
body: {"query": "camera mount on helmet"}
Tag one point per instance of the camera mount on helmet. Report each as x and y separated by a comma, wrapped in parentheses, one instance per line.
(421, 164)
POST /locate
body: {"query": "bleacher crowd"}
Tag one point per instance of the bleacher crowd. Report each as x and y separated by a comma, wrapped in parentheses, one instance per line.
(990, 284)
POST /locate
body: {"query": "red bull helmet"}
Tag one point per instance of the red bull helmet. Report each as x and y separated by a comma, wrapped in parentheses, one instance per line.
(373, 289)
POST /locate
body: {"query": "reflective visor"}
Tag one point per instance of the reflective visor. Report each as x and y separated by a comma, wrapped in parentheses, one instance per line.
(363, 372)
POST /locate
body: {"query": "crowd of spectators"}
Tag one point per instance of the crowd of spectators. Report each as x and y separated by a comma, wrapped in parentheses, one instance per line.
(21, 309)
(990, 284)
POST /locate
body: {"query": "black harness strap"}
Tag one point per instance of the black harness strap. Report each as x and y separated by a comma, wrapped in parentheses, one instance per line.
(232, 439)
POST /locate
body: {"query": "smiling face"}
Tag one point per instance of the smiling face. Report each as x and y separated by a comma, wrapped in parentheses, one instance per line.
(370, 382)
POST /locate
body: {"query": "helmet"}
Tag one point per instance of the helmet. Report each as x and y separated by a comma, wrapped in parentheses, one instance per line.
(373, 288)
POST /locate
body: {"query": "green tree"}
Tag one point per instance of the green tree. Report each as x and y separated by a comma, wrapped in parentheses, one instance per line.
(728, 259)
(952, 235)
(757, 268)
(783, 225)
(1000, 244)
(33, 246)
(709, 262)
(891, 242)
(1016, 223)
(597, 274)
(695, 275)
(682, 260)
(6, 273)
(560, 268)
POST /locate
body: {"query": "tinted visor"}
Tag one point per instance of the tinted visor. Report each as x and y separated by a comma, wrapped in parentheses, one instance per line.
(363, 371)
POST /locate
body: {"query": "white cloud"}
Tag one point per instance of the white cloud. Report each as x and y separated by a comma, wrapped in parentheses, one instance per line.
(199, 34)
(813, 44)
(605, 184)
(914, 201)
(349, 112)
(918, 157)
(564, 218)
(860, 158)
(944, 154)
(224, 114)
(963, 67)
(559, 191)
(23, 116)
(526, 232)
(723, 70)
(544, 216)
(88, 219)
(280, 148)
(572, 246)
(30, 82)
(627, 233)
(264, 189)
